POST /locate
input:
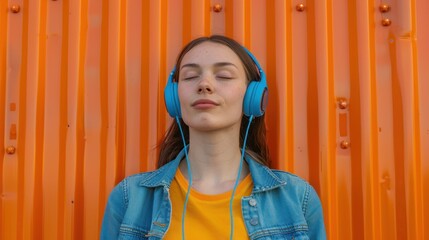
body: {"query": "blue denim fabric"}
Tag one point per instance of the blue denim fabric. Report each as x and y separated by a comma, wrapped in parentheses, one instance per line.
(281, 206)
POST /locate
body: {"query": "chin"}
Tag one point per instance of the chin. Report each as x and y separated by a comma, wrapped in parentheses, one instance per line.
(211, 126)
(203, 125)
(211, 122)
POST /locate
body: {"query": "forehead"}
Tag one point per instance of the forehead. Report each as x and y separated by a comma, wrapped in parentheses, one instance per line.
(209, 53)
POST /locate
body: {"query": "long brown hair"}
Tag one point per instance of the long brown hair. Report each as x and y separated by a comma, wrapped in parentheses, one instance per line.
(256, 144)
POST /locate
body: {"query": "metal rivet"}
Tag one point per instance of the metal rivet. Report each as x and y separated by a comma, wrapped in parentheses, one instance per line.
(384, 8)
(252, 202)
(10, 150)
(15, 8)
(217, 7)
(344, 144)
(386, 22)
(254, 221)
(300, 7)
(342, 103)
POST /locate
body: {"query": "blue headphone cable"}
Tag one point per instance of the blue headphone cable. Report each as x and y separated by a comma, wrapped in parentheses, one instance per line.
(190, 178)
(237, 180)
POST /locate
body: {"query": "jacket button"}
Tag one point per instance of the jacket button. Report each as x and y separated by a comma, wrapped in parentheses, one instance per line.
(252, 202)
(254, 221)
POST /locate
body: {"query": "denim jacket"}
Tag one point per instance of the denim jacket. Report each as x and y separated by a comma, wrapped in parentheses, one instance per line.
(281, 206)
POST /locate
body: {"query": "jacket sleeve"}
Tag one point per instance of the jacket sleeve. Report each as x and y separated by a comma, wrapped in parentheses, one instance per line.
(114, 213)
(314, 216)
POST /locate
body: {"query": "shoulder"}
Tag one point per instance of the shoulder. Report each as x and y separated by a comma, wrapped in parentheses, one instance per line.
(138, 177)
(134, 180)
(297, 185)
(289, 178)
(293, 181)
(265, 178)
(128, 184)
(156, 178)
(302, 188)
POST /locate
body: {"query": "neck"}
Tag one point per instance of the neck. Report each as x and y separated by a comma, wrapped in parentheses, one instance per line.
(215, 159)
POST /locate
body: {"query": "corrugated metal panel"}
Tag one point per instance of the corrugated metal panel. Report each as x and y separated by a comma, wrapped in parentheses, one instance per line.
(81, 86)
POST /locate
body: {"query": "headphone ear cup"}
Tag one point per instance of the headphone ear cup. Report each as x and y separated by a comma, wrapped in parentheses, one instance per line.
(255, 99)
(171, 98)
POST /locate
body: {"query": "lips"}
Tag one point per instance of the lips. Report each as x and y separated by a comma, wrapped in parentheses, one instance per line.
(204, 104)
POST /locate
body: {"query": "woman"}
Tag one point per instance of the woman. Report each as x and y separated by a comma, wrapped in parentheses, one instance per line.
(217, 94)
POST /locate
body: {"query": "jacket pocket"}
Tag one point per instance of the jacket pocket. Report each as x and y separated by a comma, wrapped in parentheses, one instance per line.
(297, 236)
(131, 233)
(298, 232)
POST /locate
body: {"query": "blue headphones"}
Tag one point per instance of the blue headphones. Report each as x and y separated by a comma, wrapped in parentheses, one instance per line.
(254, 103)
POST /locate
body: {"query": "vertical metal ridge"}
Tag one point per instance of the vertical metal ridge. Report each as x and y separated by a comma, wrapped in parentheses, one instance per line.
(63, 119)
(416, 127)
(144, 89)
(78, 206)
(420, 49)
(398, 146)
(281, 81)
(187, 21)
(331, 170)
(120, 134)
(313, 134)
(133, 85)
(339, 48)
(364, 66)
(2, 133)
(355, 126)
(22, 121)
(290, 143)
(162, 77)
(38, 216)
(322, 61)
(153, 75)
(270, 71)
(229, 18)
(207, 18)
(74, 134)
(29, 129)
(247, 11)
(104, 111)
(92, 120)
(373, 146)
(51, 133)
(3, 65)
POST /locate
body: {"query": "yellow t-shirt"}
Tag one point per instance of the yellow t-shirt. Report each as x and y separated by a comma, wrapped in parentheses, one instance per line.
(207, 216)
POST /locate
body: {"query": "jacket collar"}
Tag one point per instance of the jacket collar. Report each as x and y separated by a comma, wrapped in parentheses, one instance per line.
(263, 178)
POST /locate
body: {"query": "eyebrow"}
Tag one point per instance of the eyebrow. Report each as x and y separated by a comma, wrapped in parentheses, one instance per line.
(218, 64)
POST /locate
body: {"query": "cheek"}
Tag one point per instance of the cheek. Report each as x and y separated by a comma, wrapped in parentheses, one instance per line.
(237, 96)
(182, 93)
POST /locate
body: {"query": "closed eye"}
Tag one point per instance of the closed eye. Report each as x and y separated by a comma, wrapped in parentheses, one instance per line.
(225, 72)
(224, 77)
(190, 77)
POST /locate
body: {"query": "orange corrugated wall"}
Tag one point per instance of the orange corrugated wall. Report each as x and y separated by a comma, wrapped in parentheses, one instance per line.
(81, 104)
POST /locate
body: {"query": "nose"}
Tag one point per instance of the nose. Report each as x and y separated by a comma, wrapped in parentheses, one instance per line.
(205, 85)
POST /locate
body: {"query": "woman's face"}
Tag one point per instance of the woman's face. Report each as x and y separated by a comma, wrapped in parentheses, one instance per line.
(212, 84)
